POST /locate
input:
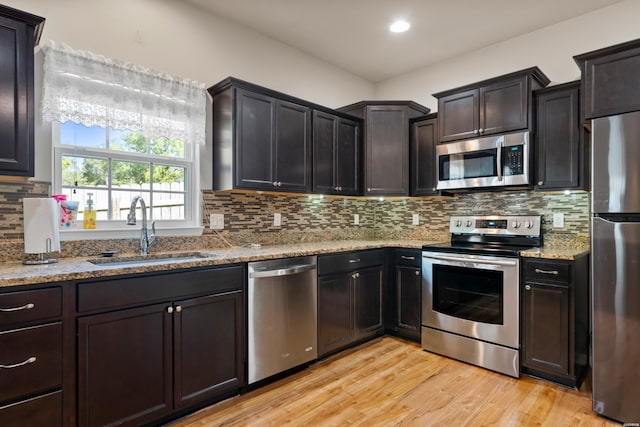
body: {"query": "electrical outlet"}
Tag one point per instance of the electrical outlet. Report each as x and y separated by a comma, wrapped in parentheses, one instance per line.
(216, 221)
(277, 220)
(356, 219)
(415, 219)
(558, 220)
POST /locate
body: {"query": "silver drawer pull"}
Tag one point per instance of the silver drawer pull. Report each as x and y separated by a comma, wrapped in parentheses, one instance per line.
(17, 365)
(354, 260)
(24, 307)
(412, 258)
(554, 272)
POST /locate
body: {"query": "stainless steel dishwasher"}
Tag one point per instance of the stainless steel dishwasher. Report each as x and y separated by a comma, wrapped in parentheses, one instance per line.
(282, 315)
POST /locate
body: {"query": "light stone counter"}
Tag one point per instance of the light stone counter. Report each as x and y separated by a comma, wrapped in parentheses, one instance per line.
(15, 273)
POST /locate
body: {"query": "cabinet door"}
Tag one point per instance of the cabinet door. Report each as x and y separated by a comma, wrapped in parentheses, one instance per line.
(408, 301)
(348, 157)
(335, 313)
(459, 115)
(324, 152)
(558, 148)
(503, 107)
(255, 140)
(208, 347)
(423, 157)
(125, 367)
(367, 291)
(16, 92)
(545, 317)
(293, 147)
(387, 151)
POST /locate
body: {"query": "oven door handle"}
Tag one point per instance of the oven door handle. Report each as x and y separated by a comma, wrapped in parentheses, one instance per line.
(474, 261)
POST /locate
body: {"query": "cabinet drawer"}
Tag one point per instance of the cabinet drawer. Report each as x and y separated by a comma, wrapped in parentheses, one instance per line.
(349, 261)
(547, 271)
(42, 411)
(29, 306)
(408, 257)
(31, 360)
(148, 289)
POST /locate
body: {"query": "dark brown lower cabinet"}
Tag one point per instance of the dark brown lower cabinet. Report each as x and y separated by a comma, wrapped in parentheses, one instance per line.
(405, 295)
(139, 365)
(554, 322)
(41, 411)
(349, 299)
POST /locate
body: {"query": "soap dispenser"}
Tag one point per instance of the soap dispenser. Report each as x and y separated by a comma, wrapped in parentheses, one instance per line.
(89, 221)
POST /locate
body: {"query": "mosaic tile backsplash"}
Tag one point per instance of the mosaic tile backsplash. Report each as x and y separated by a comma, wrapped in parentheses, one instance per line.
(248, 218)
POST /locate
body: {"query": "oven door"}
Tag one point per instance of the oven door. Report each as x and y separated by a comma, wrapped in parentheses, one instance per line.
(476, 296)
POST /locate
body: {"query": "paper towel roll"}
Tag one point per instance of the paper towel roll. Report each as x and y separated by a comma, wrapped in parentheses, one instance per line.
(41, 216)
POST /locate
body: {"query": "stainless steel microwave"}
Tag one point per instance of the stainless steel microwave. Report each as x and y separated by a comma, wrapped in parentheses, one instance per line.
(496, 161)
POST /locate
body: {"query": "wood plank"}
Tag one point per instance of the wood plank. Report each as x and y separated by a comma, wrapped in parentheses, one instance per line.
(389, 381)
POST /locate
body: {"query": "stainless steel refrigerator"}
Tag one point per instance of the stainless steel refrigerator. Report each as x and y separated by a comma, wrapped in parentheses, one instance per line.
(615, 279)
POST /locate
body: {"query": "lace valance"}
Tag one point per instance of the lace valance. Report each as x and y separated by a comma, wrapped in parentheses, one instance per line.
(92, 90)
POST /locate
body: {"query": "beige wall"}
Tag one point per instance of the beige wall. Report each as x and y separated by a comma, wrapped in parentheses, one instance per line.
(551, 48)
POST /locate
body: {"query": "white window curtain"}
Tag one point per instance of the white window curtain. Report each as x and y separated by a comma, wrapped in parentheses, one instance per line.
(92, 90)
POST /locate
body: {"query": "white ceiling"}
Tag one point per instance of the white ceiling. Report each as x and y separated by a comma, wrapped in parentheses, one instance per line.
(353, 34)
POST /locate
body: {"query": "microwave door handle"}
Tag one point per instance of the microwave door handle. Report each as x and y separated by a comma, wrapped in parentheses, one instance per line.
(499, 161)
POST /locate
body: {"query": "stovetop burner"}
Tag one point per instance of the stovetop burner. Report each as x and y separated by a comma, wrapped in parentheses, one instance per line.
(491, 235)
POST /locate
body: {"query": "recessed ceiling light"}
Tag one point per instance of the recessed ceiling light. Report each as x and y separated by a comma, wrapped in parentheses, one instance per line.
(399, 26)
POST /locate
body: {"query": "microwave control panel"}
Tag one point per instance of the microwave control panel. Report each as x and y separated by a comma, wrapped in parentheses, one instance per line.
(513, 160)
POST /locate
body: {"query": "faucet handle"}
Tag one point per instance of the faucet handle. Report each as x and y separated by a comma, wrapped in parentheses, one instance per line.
(152, 238)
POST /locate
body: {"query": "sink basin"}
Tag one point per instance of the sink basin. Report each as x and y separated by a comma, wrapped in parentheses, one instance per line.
(151, 259)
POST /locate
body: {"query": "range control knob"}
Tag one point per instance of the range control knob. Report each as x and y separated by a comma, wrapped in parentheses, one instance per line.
(468, 223)
(528, 224)
(515, 224)
(458, 223)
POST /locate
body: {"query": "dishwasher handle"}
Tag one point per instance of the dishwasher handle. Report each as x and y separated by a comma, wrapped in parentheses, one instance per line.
(296, 269)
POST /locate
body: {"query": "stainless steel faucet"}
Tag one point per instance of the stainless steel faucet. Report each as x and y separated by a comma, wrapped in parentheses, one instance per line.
(146, 240)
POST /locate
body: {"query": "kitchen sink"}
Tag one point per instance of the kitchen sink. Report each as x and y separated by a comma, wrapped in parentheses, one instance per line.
(152, 259)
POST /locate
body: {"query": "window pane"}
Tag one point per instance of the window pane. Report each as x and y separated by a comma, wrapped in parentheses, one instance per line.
(172, 175)
(82, 136)
(78, 170)
(168, 206)
(164, 147)
(130, 174)
(123, 140)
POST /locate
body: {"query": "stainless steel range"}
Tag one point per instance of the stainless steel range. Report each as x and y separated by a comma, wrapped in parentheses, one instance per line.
(470, 290)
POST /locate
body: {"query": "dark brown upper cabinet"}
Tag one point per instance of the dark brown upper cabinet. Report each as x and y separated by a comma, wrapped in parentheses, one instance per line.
(336, 154)
(424, 136)
(386, 144)
(19, 34)
(269, 140)
(561, 156)
(611, 79)
(264, 140)
(498, 105)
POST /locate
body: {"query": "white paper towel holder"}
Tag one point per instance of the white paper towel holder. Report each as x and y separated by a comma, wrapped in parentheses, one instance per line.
(41, 257)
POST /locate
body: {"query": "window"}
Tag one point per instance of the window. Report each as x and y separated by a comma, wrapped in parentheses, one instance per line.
(119, 131)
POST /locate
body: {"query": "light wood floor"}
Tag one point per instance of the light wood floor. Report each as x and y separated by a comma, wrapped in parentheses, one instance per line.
(389, 382)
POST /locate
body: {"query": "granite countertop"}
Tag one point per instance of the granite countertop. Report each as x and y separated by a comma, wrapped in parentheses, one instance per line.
(15, 273)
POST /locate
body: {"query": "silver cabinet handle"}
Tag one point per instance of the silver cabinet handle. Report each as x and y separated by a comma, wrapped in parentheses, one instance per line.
(275, 183)
(412, 258)
(351, 261)
(540, 182)
(17, 365)
(24, 307)
(527, 287)
(368, 188)
(355, 276)
(554, 272)
(169, 310)
(178, 309)
(417, 273)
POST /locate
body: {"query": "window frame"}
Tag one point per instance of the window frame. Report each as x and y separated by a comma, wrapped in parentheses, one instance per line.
(190, 226)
